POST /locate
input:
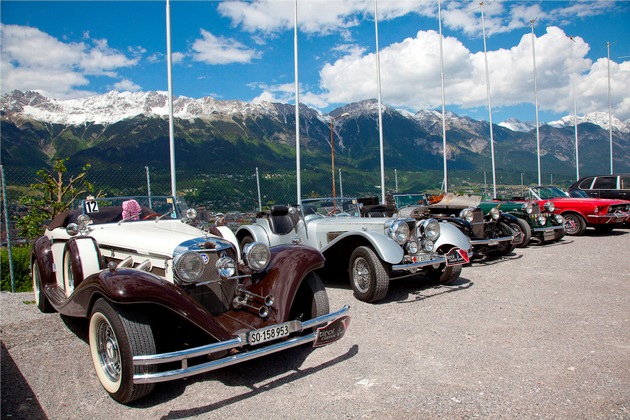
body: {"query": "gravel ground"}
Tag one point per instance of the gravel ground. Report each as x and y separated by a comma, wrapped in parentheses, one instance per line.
(542, 333)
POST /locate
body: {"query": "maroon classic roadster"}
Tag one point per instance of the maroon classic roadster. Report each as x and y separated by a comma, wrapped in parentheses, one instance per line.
(166, 300)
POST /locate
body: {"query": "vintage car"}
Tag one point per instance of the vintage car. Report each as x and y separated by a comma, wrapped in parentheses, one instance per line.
(603, 215)
(371, 250)
(490, 235)
(538, 224)
(166, 300)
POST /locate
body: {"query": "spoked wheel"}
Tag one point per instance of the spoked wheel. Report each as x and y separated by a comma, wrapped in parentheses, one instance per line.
(42, 302)
(443, 274)
(504, 248)
(368, 276)
(115, 336)
(574, 224)
(521, 226)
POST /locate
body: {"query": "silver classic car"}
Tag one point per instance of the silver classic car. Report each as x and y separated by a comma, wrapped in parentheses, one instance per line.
(371, 250)
(166, 300)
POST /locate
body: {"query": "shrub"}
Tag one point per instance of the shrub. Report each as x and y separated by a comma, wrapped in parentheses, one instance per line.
(21, 269)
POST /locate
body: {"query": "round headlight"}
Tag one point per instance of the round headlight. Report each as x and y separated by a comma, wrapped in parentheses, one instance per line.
(226, 267)
(549, 206)
(399, 231)
(559, 219)
(191, 214)
(494, 213)
(467, 215)
(189, 266)
(72, 229)
(430, 228)
(412, 247)
(527, 208)
(542, 220)
(428, 245)
(256, 255)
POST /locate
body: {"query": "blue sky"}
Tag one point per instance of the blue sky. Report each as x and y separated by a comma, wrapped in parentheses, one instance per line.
(244, 51)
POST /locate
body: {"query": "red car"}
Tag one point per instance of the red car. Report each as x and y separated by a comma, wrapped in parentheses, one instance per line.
(579, 213)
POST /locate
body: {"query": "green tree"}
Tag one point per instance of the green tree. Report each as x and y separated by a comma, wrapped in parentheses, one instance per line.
(52, 193)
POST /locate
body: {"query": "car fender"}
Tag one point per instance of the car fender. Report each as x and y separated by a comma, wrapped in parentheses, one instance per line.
(128, 286)
(255, 231)
(451, 236)
(508, 217)
(43, 256)
(386, 248)
(228, 234)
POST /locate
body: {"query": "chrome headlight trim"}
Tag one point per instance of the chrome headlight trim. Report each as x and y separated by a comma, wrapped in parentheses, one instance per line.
(467, 215)
(399, 232)
(549, 206)
(226, 267)
(430, 229)
(412, 247)
(428, 245)
(189, 266)
(559, 219)
(191, 214)
(527, 208)
(256, 255)
(542, 220)
(494, 213)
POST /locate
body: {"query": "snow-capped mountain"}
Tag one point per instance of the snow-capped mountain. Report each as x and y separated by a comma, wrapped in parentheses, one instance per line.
(517, 125)
(597, 118)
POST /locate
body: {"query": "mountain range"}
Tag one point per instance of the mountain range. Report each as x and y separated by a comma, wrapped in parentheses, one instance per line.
(131, 129)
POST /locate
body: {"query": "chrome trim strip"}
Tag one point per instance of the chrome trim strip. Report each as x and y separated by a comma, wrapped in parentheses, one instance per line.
(183, 355)
(547, 228)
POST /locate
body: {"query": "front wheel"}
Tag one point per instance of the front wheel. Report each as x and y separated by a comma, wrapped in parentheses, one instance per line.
(443, 274)
(505, 247)
(116, 335)
(574, 224)
(42, 302)
(311, 299)
(368, 276)
(521, 226)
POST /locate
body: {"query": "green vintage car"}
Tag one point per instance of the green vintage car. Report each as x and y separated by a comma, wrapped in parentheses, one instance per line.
(538, 224)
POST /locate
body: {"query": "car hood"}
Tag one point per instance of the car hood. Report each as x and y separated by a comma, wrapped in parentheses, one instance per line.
(161, 237)
(587, 201)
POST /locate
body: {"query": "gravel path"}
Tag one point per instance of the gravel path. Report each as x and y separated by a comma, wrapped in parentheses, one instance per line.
(542, 333)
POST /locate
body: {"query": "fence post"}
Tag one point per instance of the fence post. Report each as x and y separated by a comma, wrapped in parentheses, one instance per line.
(8, 229)
(148, 185)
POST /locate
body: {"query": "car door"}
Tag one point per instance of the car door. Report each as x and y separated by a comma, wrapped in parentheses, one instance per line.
(606, 186)
(624, 187)
(587, 186)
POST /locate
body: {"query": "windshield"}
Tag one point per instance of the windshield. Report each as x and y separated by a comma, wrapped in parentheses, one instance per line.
(545, 193)
(404, 200)
(113, 209)
(340, 206)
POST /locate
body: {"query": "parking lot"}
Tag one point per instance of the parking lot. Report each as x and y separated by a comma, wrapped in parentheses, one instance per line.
(542, 333)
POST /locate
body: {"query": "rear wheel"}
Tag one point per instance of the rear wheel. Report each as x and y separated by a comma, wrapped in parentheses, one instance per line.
(115, 336)
(246, 240)
(41, 300)
(368, 276)
(504, 247)
(574, 224)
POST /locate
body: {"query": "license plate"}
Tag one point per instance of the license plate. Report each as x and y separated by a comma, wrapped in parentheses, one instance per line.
(268, 333)
(549, 234)
(457, 256)
(421, 257)
(331, 332)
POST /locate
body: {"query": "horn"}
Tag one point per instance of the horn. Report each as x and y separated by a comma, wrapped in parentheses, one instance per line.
(263, 311)
(127, 262)
(267, 300)
(145, 265)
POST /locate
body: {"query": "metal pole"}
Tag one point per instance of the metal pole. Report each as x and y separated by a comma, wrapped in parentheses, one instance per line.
(610, 113)
(536, 99)
(258, 187)
(522, 187)
(8, 228)
(298, 169)
(171, 129)
(332, 156)
(443, 99)
(340, 184)
(396, 178)
(485, 54)
(146, 168)
(577, 156)
(380, 116)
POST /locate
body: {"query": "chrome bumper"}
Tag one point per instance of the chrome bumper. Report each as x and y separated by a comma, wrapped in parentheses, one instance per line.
(416, 265)
(184, 355)
(492, 241)
(547, 229)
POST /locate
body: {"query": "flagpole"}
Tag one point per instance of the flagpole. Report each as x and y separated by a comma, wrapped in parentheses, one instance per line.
(297, 107)
(380, 116)
(443, 99)
(171, 134)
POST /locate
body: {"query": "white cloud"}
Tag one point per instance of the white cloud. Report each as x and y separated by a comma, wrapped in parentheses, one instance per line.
(410, 75)
(211, 49)
(126, 85)
(34, 60)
